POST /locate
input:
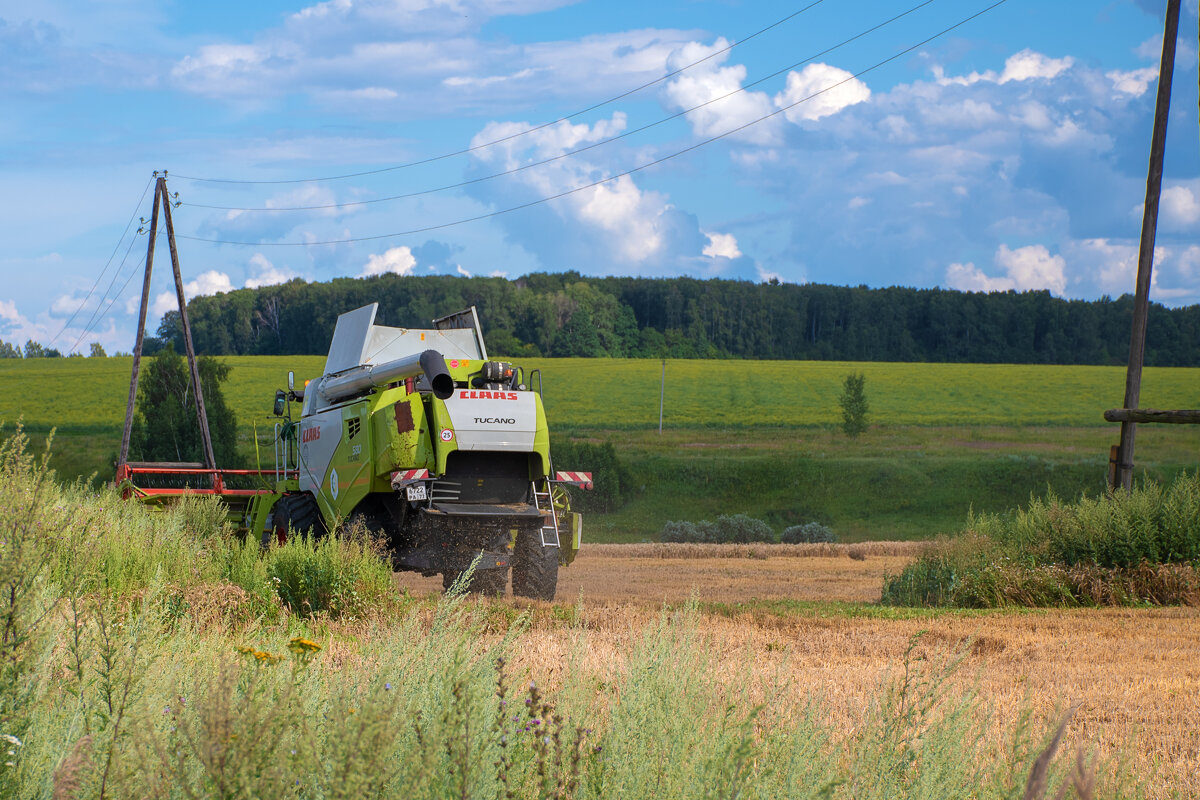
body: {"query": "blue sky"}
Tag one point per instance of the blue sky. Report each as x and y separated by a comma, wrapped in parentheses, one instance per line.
(1008, 153)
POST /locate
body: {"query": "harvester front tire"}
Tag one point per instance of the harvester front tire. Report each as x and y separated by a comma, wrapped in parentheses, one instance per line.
(535, 567)
(297, 513)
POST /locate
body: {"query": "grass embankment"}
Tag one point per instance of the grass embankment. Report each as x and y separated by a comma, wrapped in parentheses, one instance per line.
(149, 654)
(752, 437)
(1135, 548)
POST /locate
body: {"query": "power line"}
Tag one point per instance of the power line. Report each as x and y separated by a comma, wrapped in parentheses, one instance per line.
(95, 320)
(579, 150)
(510, 137)
(107, 264)
(640, 168)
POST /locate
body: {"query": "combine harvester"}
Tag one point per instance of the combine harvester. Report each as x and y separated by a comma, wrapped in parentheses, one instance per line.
(418, 436)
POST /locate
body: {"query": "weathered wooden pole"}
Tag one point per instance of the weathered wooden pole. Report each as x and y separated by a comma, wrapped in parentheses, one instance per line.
(201, 414)
(1123, 474)
(123, 457)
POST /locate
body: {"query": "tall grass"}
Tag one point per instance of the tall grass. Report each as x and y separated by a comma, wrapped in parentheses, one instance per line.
(179, 672)
(1141, 547)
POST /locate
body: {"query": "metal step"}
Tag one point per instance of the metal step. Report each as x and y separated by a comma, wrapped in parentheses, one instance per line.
(544, 501)
(510, 511)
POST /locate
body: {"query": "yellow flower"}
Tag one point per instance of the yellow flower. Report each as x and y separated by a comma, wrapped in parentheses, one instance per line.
(301, 646)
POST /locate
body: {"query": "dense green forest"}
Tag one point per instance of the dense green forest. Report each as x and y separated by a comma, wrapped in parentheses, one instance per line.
(566, 314)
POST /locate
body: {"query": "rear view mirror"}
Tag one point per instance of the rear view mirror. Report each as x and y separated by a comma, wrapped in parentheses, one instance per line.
(280, 402)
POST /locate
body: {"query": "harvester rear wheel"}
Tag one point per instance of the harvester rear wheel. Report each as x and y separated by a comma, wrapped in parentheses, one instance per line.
(297, 513)
(490, 582)
(535, 567)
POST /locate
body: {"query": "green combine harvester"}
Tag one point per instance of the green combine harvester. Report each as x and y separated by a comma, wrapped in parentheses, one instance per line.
(421, 438)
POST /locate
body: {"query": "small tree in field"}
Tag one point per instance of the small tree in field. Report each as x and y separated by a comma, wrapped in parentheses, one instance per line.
(854, 404)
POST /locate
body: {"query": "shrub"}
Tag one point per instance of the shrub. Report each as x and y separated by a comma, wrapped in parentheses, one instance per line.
(337, 576)
(741, 529)
(808, 533)
(734, 529)
(1115, 549)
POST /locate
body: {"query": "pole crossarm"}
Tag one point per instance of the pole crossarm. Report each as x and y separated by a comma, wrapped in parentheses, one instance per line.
(1184, 417)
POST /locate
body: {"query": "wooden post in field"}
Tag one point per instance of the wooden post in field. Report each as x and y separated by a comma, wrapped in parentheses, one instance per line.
(1141, 300)
(123, 457)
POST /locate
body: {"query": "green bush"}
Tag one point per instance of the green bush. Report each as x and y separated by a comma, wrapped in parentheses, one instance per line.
(334, 575)
(1115, 549)
(808, 533)
(733, 529)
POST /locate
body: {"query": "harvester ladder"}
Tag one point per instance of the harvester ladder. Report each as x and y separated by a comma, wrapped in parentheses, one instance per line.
(544, 501)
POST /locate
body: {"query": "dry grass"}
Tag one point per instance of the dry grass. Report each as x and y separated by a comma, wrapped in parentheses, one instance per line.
(1135, 672)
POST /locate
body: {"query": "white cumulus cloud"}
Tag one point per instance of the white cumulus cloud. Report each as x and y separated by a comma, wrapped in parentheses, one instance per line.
(721, 245)
(210, 282)
(268, 273)
(1132, 82)
(1023, 66)
(1029, 65)
(1179, 207)
(707, 82)
(1025, 268)
(396, 260)
(820, 90)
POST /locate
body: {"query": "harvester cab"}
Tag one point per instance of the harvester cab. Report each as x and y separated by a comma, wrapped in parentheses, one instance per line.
(417, 435)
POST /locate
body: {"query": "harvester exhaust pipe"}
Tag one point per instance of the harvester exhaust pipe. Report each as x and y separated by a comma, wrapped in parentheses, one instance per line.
(357, 380)
(434, 367)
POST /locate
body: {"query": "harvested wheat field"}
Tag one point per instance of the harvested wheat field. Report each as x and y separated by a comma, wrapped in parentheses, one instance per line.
(1135, 672)
(720, 573)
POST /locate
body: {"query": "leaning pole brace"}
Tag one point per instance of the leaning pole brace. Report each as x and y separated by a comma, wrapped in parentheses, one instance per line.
(201, 414)
(161, 195)
(123, 457)
(1122, 472)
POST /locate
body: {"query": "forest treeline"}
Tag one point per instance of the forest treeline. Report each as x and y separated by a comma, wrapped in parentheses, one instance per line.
(566, 314)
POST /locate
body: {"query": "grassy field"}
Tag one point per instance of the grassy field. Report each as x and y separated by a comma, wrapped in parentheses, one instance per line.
(153, 654)
(754, 437)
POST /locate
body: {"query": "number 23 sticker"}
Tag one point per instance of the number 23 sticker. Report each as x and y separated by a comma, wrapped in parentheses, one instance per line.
(447, 435)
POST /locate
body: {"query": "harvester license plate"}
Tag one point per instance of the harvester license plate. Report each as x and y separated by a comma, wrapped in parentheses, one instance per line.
(416, 492)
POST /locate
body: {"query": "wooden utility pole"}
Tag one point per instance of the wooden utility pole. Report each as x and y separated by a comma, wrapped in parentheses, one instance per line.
(1122, 475)
(161, 196)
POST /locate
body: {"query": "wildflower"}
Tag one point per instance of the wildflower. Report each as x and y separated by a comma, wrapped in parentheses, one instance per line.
(8, 737)
(387, 687)
(302, 646)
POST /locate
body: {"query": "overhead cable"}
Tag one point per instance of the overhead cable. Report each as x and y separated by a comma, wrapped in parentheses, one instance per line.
(617, 176)
(97, 315)
(576, 151)
(510, 137)
(107, 264)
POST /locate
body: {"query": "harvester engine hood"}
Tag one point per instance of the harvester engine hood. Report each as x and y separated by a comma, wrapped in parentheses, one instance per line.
(493, 419)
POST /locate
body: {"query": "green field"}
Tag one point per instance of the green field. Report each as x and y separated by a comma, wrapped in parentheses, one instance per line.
(755, 437)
